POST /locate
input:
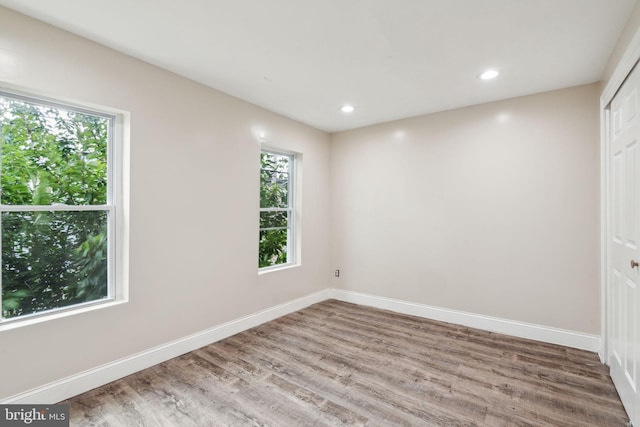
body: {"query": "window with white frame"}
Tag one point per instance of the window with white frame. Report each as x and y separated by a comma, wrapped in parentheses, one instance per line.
(57, 206)
(276, 242)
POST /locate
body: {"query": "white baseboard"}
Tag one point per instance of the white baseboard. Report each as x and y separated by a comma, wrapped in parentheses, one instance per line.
(71, 386)
(494, 324)
(76, 384)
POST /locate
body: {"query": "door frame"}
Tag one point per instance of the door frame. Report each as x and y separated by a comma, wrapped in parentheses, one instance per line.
(627, 62)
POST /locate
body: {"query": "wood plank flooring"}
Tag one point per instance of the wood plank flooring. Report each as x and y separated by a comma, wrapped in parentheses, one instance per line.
(336, 363)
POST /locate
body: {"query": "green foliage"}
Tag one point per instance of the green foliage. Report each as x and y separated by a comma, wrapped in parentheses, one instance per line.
(274, 193)
(49, 157)
(274, 180)
(272, 248)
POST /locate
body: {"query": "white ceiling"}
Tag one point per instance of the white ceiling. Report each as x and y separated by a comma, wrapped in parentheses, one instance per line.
(391, 59)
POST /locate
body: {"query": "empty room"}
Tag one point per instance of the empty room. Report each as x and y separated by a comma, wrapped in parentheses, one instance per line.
(319, 213)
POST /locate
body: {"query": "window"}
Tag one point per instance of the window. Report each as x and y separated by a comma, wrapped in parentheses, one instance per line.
(276, 244)
(57, 206)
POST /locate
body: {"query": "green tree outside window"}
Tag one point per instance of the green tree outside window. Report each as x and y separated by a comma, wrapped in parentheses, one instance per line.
(276, 210)
(54, 219)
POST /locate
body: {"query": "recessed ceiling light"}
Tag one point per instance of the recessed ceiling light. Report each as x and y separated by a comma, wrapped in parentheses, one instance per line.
(489, 74)
(347, 109)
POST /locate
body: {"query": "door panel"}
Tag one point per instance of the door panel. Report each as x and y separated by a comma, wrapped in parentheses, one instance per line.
(616, 329)
(617, 172)
(630, 196)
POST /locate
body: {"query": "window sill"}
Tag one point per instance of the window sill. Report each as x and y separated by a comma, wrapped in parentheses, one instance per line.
(266, 270)
(44, 317)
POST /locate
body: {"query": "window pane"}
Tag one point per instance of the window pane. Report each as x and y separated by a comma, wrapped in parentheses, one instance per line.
(274, 180)
(274, 219)
(51, 155)
(273, 247)
(52, 260)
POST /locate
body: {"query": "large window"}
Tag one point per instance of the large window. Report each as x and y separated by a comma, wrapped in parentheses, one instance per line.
(276, 244)
(57, 206)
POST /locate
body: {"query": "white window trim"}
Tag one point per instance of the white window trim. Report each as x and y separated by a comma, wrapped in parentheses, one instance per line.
(117, 206)
(293, 236)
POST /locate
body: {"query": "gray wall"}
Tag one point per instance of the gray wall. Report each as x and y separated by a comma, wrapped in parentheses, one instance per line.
(491, 209)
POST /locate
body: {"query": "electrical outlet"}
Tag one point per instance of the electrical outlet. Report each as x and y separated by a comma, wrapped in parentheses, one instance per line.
(337, 273)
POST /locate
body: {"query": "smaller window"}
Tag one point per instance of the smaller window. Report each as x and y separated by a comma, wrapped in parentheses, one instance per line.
(276, 243)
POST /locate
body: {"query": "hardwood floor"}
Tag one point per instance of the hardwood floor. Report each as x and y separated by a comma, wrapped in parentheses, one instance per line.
(336, 363)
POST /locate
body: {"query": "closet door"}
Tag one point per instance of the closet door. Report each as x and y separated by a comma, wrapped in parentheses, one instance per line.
(624, 242)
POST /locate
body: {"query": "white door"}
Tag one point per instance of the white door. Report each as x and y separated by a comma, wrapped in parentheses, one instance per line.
(624, 243)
